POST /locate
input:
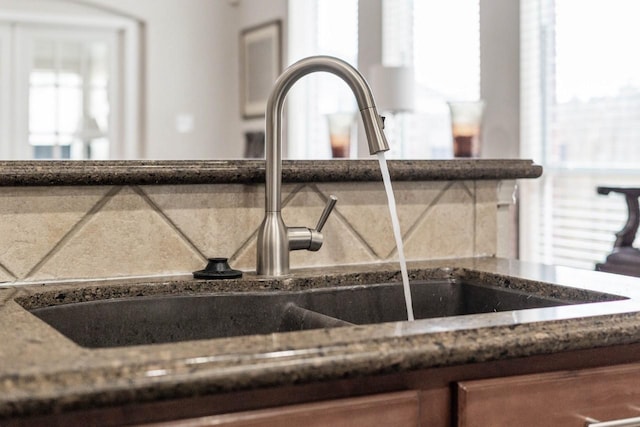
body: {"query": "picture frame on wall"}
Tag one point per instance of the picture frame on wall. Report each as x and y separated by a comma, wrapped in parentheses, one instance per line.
(261, 64)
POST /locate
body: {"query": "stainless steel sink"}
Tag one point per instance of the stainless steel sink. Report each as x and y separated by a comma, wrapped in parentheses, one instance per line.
(161, 319)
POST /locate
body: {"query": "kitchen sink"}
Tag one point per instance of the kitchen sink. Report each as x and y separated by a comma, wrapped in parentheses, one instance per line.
(163, 319)
(385, 302)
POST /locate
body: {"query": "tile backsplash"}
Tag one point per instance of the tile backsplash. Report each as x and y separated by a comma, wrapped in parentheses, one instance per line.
(52, 233)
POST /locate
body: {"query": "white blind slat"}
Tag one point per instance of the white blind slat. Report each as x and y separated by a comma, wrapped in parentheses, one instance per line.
(580, 107)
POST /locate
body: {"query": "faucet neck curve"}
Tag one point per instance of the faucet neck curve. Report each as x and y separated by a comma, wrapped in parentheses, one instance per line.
(275, 105)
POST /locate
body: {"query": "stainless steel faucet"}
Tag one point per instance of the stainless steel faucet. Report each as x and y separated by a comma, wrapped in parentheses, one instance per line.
(275, 239)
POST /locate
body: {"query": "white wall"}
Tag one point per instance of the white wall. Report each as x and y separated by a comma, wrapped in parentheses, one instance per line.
(369, 54)
(41, 6)
(191, 69)
(500, 77)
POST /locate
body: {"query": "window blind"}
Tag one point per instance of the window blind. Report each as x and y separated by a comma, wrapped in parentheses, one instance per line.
(441, 40)
(319, 27)
(412, 34)
(580, 112)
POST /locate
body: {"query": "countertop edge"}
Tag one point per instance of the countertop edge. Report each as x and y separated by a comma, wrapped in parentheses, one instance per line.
(151, 172)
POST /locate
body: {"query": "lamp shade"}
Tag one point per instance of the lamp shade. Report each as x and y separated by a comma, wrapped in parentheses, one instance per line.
(393, 88)
(88, 128)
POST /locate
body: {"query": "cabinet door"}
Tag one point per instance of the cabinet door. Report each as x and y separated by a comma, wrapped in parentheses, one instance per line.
(389, 410)
(568, 398)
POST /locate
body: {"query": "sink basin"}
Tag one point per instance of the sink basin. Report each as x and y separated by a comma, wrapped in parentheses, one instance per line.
(385, 302)
(162, 319)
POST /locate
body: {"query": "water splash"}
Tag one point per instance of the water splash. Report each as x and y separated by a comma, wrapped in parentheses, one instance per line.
(386, 178)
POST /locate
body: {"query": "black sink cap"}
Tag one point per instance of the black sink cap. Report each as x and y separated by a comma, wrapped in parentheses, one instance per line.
(217, 268)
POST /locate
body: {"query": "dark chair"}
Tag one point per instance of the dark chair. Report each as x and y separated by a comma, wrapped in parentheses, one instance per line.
(624, 259)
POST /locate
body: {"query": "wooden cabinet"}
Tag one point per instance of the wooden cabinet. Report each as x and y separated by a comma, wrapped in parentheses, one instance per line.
(566, 398)
(389, 409)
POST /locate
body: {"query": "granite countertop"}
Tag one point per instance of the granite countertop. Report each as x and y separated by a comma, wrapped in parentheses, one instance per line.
(148, 172)
(43, 372)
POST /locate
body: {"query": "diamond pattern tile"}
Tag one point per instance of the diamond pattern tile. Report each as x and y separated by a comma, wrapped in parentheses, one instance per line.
(95, 232)
(126, 237)
(446, 230)
(216, 218)
(34, 219)
(486, 226)
(341, 245)
(364, 206)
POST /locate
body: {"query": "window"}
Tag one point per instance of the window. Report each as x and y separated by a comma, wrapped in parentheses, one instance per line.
(412, 34)
(320, 27)
(5, 89)
(69, 98)
(581, 121)
(69, 83)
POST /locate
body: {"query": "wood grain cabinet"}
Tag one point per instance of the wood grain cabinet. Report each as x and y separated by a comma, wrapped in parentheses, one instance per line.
(566, 398)
(389, 409)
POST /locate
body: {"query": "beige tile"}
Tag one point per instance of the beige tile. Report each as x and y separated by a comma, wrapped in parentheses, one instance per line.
(34, 219)
(245, 258)
(125, 237)
(486, 192)
(469, 187)
(486, 230)
(341, 245)
(446, 230)
(486, 224)
(218, 219)
(288, 191)
(5, 276)
(364, 206)
(507, 220)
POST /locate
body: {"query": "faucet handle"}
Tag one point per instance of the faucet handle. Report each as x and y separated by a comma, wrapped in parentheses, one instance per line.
(308, 238)
(328, 208)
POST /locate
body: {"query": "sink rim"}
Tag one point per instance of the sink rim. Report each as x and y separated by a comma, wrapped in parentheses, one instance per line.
(488, 318)
(66, 294)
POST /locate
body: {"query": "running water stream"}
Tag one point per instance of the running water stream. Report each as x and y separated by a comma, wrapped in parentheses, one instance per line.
(396, 231)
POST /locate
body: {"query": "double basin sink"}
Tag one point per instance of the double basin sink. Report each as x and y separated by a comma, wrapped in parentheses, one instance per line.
(152, 319)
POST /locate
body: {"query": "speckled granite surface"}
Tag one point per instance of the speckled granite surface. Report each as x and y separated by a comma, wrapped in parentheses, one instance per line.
(21, 173)
(42, 372)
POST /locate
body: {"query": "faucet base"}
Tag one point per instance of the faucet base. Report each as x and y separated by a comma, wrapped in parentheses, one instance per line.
(273, 246)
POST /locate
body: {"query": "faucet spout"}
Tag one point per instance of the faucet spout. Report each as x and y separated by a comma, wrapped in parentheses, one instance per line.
(275, 238)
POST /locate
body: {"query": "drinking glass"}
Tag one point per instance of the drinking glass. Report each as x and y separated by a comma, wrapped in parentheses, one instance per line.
(340, 125)
(466, 121)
